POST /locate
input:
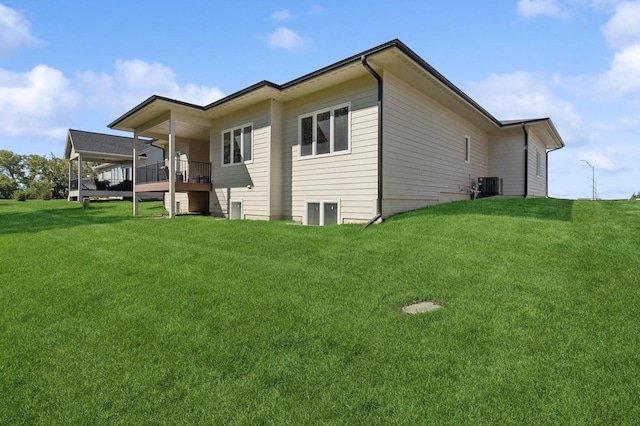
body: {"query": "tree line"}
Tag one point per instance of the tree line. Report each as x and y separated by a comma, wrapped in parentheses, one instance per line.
(34, 176)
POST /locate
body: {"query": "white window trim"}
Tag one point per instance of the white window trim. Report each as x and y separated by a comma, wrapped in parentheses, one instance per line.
(322, 203)
(314, 115)
(467, 149)
(231, 130)
(236, 200)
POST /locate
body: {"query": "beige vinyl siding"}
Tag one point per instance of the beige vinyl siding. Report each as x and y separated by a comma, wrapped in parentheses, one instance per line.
(348, 178)
(424, 150)
(278, 188)
(247, 182)
(506, 153)
(537, 184)
(182, 198)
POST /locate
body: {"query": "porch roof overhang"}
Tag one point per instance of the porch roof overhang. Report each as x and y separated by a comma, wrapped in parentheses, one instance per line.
(98, 147)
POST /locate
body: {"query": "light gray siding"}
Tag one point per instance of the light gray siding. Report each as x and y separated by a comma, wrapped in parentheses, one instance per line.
(537, 181)
(506, 153)
(424, 150)
(348, 178)
(249, 182)
(182, 202)
(280, 189)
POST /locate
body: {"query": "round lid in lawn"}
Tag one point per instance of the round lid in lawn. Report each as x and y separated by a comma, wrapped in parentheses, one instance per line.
(421, 306)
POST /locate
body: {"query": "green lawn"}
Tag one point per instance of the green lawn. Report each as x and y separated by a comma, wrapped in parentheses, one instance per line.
(110, 319)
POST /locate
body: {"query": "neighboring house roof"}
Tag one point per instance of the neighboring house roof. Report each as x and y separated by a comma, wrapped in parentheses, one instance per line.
(391, 54)
(100, 146)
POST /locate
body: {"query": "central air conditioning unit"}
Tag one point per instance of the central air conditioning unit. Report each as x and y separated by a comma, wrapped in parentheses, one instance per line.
(489, 186)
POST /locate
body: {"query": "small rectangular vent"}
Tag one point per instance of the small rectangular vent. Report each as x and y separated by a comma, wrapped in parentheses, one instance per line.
(489, 186)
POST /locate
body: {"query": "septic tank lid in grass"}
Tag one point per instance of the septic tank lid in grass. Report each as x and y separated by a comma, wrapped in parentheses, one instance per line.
(421, 306)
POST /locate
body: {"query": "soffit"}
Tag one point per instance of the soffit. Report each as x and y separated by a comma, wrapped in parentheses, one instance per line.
(547, 133)
(399, 64)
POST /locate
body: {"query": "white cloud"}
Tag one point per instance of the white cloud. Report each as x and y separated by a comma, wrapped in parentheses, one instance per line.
(522, 95)
(623, 76)
(533, 8)
(15, 31)
(601, 160)
(623, 29)
(42, 103)
(281, 15)
(287, 39)
(35, 103)
(134, 81)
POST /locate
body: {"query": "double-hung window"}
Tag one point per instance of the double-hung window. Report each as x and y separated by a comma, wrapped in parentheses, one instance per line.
(237, 145)
(327, 131)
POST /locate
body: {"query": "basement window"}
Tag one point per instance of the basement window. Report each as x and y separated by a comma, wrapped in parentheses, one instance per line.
(322, 213)
(235, 210)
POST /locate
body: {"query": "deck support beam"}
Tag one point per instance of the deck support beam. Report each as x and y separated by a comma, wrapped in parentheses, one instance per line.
(172, 167)
(134, 173)
(80, 178)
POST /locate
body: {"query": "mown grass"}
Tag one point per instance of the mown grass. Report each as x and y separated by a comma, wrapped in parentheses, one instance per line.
(106, 318)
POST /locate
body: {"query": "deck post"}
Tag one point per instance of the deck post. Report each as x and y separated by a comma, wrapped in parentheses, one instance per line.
(172, 167)
(70, 179)
(134, 174)
(80, 177)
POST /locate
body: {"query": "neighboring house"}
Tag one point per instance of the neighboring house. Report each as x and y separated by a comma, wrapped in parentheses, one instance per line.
(114, 171)
(373, 135)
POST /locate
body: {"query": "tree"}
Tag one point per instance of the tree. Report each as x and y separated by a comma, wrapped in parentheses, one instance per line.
(12, 165)
(7, 186)
(35, 165)
(38, 176)
(57, 174)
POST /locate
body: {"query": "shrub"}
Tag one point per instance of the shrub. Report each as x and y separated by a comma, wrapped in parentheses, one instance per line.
(20, 195)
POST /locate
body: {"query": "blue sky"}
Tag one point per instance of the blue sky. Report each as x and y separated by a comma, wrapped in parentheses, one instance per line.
(78, 64)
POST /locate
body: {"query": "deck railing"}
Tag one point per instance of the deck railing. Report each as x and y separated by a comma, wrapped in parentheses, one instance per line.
(186, 171)
(91, 184)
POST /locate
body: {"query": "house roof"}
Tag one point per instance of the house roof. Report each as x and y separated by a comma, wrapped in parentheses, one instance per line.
(548, 131)
(384, 55)
(273, 88)
(100, 146)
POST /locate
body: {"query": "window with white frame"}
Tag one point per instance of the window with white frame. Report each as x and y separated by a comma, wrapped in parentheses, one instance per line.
(322, 213)
(237, 145)
(538, 165)
(327, 131)
(235, 210)
(467, 149)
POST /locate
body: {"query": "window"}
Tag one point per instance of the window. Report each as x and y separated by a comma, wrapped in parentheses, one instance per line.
(325, 132)
(467, 149)
(237, 145)
(235, 210)
(321, 213)
(537, 163)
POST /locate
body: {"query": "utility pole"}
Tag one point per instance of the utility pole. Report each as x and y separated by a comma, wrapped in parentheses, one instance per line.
(593, 180)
